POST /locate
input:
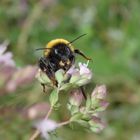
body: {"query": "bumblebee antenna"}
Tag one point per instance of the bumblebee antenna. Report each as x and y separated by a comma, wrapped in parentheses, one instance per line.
(38, 49)
(76, 38)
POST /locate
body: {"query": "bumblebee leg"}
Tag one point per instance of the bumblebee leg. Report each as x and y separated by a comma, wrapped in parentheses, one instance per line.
(45, 67)
(43, 86)
(80, 53)
(68, 79)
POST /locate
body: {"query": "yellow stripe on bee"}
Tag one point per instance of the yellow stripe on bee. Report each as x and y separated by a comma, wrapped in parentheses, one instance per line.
(54, 42)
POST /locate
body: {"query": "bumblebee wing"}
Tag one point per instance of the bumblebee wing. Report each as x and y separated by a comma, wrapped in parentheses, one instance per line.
(46, 67)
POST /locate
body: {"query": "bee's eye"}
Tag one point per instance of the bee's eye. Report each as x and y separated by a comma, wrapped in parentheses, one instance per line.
(71, 57)
(56, 51)
(67, 50)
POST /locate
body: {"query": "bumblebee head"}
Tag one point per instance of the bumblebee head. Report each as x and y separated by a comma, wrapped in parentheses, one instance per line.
(62, 45)
(54, 42)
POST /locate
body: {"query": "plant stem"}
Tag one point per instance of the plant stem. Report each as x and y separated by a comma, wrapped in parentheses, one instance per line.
(35, 135)
(64, 123)
(37, 132)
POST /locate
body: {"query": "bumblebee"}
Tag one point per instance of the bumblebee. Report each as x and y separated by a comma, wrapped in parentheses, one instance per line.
(58, 54)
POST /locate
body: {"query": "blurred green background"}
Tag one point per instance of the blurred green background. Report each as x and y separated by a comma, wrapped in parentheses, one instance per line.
(112, 41)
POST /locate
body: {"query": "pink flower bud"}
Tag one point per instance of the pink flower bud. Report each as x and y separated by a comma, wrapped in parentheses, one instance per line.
(36, 111)
(96, 125)
(76, 97)
(99, 92)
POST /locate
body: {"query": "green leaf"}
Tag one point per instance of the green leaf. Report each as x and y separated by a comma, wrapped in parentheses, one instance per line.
(82, 81)
(42, 77)
(96, 128)
(59, 75)
(65, 86)
(74, 109)
(74, 78)
(76, 117)
(84, 123)
(88, 103)
(53, 97)
(94, 103)
(96, 125)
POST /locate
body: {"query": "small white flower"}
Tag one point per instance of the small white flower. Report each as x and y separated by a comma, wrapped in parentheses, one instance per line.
(73, 70)
(46, 126)
(84, 70)
(85, 75)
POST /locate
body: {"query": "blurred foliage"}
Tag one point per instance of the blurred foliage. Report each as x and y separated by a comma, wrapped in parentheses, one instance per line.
(112, 40)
